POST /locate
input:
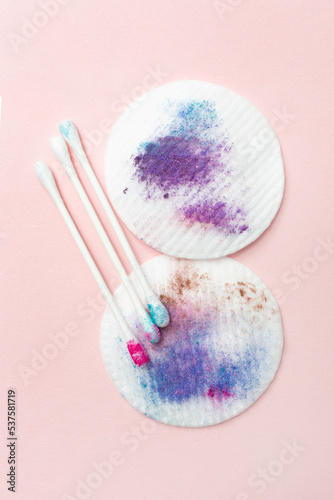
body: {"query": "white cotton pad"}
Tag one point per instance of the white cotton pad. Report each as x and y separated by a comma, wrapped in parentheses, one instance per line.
(217, 356)
(194, 170)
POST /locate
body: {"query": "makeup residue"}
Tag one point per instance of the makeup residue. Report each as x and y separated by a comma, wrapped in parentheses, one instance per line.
(189, 361)
(188, 159)
(218, 214)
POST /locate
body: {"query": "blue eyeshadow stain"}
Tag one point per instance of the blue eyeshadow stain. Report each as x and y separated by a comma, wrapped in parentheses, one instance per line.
(185, 364)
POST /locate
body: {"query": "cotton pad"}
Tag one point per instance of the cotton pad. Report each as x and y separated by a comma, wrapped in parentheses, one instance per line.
(194, 170)
(217, 356)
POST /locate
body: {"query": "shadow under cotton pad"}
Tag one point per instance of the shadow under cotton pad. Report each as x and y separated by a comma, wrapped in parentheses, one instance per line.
(194, 170)
(217, 356)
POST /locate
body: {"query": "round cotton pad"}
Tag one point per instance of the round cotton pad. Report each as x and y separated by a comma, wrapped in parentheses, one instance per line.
(194, 170)
(217, 356)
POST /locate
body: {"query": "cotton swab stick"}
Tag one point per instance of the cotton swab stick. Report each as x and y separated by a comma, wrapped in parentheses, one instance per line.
(158, 311)
(136, 350)
(61, 152)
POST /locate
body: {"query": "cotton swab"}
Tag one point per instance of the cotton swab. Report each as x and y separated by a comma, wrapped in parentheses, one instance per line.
(61, 152)
(136, 350)
(158, 311)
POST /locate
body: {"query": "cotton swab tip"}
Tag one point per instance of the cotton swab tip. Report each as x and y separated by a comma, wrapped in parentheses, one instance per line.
(137, 353)
(46, 178)
(158, 311)
(67, 129)
(60, 149)
(42, 170)
(150, 330)
(70, 133)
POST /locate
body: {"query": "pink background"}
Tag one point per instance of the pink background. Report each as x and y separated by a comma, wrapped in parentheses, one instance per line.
(83, 64)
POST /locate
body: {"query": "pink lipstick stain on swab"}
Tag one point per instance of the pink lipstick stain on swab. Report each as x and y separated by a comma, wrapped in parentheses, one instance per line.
(137, 353)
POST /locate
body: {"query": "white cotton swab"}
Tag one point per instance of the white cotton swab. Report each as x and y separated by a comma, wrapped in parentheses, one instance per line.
(61, 152)
(136, 350)
(157, 310)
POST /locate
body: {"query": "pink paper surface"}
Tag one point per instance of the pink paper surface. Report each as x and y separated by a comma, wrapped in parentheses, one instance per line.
(77, 437)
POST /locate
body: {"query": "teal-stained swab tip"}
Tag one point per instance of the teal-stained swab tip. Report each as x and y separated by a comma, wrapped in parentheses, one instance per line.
(70, 133)
(150, 330)
(158, 312)
(65, 128)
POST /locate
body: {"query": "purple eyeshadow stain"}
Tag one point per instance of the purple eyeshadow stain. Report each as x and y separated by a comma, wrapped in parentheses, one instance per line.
(174, 161)
(188, 154)
(185, 364)
(219, 214)
(185, 153)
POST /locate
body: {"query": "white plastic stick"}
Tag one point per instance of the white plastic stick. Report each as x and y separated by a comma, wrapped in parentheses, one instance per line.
(45, 176)
(158, 311)
(61, 152)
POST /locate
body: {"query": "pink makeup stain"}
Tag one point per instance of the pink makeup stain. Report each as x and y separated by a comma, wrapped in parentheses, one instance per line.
(218, 394)
(137, 353)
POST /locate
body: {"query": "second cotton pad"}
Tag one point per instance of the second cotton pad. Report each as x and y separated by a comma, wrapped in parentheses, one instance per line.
(219, 352)
(194, 170)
